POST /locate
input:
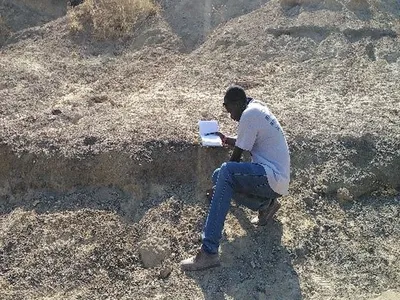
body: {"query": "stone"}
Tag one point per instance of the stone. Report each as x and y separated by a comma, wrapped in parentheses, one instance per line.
(344, 195)
(165, 272)
(153, 251)
(262, 296)
(320, 189)
(309, 201)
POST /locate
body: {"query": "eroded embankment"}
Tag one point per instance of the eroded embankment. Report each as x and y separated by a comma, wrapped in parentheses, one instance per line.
(357, 165)
(24, 173)
(74, 243)
(346, 168)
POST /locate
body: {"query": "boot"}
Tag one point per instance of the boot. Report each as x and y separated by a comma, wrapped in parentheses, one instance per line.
(201, 261)
(266, 213)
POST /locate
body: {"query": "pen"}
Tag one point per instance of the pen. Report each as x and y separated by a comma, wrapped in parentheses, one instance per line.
(210, 133)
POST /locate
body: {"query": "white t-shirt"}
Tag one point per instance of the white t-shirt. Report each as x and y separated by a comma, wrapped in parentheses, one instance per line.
(260, 133)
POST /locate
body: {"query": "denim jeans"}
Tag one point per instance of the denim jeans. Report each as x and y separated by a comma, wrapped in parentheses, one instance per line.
(247, 183)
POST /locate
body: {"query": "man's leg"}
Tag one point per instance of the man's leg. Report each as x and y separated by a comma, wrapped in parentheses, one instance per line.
(252, 199)
(232, 177)
(210, 192)
(256, 194)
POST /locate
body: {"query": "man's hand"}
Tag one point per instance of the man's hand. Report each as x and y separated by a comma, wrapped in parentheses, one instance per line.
(237, 152)
(226, 140)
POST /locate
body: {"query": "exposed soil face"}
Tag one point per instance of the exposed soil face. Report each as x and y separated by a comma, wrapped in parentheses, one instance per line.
(102, 179)
(21, 14)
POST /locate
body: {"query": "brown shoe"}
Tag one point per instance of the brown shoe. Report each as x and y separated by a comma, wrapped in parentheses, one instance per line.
(201, 261)
(266, 213)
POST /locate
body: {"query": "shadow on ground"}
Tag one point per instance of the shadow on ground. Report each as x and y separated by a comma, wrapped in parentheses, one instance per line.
(254, 266)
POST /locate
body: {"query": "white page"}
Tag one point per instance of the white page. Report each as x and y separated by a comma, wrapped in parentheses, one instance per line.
(206, 127)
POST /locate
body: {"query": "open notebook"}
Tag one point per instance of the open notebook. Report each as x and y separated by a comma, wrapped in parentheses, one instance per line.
(206, 128)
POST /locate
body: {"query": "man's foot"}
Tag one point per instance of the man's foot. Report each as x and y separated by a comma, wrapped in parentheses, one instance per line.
(201, 261)
(266, 213)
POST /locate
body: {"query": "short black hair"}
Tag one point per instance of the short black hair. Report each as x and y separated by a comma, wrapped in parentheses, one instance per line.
(235, 93)
(74, 3)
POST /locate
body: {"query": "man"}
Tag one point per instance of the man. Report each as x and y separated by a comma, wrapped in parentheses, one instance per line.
(264, 179)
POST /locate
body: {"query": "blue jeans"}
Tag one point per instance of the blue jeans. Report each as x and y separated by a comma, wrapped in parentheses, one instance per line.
(247, 183)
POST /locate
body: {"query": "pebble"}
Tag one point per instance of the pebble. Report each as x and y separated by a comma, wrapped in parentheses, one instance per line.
(344, 195)
(165, 272)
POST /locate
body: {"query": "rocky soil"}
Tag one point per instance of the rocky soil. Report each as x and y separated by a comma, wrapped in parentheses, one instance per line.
(102, 178)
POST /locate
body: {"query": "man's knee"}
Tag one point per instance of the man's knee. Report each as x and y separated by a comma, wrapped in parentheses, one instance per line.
(215, 176)
(226, 169)
(229, 166)
(222, 171)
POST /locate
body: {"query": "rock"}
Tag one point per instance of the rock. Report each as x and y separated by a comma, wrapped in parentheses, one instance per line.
(262, 296)
(153, 251)
(302, 250)
(344, 195)
(165, 272)
(90, 140)
(320, 189)
(197, 238)
(309, 201)
(253, 264)
(56, 112)
(311, 198)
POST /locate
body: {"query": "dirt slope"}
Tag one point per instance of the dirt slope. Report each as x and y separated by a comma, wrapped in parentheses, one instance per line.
(101, 171)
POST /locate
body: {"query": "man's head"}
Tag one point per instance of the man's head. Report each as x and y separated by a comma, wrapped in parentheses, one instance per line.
(235, 101)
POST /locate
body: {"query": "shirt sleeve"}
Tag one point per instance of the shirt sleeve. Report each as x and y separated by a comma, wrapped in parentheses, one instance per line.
(247, 131)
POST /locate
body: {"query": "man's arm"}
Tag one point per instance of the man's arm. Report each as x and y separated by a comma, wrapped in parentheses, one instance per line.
(230, 141)
(236, 154)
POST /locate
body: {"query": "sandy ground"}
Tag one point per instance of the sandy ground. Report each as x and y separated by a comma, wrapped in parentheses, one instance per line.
(87, 245)
(87, 128)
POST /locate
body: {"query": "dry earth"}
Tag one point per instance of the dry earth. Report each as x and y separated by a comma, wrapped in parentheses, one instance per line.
(102, 177)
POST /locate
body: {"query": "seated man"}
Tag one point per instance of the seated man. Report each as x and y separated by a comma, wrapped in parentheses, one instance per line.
(264, 179)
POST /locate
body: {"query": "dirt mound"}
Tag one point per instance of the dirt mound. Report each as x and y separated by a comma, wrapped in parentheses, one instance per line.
(198, 19)
(87, 244)
(102, 178)
(111, 19)
(4, 31)
(20, 14)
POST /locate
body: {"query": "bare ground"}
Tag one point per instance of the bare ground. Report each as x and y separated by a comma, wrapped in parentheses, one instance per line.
(100, 159)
